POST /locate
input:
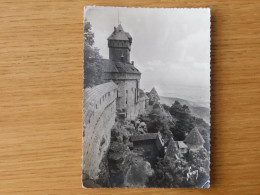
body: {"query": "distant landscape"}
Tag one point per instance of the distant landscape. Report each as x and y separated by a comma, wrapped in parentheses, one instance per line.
(196, 109)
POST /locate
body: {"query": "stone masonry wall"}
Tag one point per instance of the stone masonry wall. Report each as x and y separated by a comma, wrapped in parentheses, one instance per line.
(128, 98)
(99, 112)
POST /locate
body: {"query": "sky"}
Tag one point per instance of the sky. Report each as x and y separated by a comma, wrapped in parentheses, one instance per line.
(171, 47)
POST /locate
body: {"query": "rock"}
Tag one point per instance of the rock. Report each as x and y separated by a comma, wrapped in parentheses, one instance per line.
(138, 173)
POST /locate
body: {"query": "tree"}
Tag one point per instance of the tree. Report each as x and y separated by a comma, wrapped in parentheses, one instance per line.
(92, 59)
(199, 160)
(170, 172)
(88, 35)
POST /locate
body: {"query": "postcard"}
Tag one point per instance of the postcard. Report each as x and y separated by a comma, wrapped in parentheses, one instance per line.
(146, 98)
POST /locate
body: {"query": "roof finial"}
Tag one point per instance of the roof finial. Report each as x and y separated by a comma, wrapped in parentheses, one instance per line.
(118, 16)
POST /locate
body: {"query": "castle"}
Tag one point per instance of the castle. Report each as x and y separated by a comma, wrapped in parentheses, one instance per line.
(130, 98)
(120, 95)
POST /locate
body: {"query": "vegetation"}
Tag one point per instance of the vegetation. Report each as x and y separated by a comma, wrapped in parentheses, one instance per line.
(92, 59)
(172, 172)
(186, 122)
(128, 168)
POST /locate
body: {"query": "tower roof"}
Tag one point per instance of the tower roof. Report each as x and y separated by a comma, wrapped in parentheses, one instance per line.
(119, 67)
(154, 93)
(194, 138)
(120, 34)
(172, 149)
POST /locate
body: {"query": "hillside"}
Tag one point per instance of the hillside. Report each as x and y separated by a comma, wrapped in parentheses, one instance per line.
(196, 110)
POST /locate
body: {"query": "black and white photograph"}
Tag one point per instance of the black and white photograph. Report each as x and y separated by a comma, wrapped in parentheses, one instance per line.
(146, 98)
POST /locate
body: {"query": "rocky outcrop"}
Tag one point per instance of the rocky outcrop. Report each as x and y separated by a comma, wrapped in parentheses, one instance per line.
(127, 167)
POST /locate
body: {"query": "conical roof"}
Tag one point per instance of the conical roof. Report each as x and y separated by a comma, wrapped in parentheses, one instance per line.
(172, 149)
(194, 138)
(154, 92)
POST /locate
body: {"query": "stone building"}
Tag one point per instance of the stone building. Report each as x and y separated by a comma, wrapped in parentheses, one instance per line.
(151, 145)
(119, 69)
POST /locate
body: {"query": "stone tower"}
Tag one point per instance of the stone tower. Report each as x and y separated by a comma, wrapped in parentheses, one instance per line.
(119, 69)
(119, 43)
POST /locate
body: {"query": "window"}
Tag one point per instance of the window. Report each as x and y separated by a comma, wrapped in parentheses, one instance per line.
(108, 93)
(96, 106)
(126, 91)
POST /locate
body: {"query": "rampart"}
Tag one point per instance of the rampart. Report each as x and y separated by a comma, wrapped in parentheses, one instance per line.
(99, 112)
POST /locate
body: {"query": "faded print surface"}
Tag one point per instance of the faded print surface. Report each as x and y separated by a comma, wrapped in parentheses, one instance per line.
(146, 104)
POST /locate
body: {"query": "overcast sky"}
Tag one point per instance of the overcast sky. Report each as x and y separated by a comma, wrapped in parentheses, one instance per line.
(171, 47)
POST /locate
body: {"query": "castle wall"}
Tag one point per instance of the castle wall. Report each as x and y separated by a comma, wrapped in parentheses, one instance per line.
(141, 105)
(128, 98)
(128, 93)
(98, 118)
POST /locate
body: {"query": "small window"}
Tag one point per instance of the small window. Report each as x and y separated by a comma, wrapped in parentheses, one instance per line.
(126, 91)
(96, 106)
